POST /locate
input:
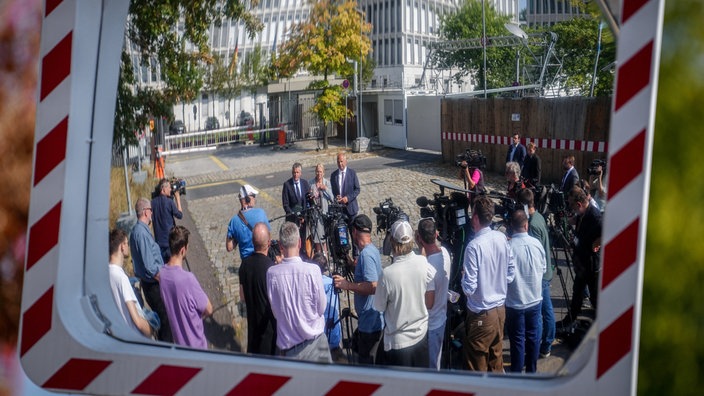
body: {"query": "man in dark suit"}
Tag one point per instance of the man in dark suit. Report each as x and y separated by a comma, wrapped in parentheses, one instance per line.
(571, 177)
(293, 194)
(345, 186)
(516, 151)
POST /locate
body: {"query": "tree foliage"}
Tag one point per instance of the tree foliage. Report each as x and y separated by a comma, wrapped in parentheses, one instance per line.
(577, 46)
(466, 23)
(334, 34)
(184, 55)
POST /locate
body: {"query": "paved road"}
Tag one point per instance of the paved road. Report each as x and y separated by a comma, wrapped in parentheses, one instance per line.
(213, 179)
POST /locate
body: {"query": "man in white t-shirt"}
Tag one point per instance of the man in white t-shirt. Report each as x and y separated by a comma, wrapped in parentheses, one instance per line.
(404, 293)
(122, 290)
(439, 258)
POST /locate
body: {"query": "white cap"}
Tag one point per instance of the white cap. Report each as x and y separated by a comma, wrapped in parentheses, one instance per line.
(247, 190)
(402, 232)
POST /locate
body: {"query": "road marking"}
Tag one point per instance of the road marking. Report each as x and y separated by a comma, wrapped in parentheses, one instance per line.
(218, 162)
(262, 194)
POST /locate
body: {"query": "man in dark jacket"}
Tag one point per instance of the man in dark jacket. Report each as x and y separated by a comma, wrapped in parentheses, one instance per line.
(516, 151)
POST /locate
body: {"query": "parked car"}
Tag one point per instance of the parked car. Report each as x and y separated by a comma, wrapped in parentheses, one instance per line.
(177, 127)
(212, 123)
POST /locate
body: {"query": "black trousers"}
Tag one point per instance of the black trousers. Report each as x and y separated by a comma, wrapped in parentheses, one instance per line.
(152, 294)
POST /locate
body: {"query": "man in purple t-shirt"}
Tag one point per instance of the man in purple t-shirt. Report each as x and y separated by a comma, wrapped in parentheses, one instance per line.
(186, 302)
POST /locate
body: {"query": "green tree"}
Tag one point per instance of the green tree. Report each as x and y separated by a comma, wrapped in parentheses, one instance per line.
(255, 72)
(184, 55)
(466, 23)
(577, 43)
(323, 45)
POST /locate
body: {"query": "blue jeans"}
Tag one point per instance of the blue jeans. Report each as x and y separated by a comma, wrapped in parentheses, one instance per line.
(525, 328)
(548, 320)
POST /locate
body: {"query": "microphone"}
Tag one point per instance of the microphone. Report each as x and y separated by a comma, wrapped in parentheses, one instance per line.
(422, 201)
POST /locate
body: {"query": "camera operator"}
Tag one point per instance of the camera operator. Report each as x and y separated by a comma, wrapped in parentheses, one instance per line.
(598, 183)
(531, 167)
(164, 210)
(587, 244)
(367, 273)
(474, 180)
(514, 184)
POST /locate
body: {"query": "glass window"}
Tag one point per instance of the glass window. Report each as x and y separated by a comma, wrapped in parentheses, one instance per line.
(388, 111)
(398, 112)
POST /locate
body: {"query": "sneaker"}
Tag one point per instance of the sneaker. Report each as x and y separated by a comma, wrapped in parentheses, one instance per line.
(544, 354)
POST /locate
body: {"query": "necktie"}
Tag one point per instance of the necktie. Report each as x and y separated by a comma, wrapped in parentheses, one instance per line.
(342, 181)
(298, 192)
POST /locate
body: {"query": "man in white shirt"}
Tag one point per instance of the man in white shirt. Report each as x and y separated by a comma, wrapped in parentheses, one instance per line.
(488, 269)
(122, 291)
(439, 258)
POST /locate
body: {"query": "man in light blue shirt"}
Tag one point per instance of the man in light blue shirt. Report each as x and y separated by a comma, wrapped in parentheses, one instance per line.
(239, 230)
(524, 299)
(488, 269)
(295, 290)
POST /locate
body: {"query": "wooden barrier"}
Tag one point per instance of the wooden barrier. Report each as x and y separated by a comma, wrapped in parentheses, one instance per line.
(558, 126)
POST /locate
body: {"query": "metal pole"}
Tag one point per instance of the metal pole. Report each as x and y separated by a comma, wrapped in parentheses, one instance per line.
(127, 180)
(596, 61)
(484, 43)
(361, 132)
(359, 100)
(346, 96)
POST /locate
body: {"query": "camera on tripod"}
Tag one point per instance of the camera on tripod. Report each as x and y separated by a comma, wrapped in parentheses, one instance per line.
(387, 213)
(594, 167)
(473, 159)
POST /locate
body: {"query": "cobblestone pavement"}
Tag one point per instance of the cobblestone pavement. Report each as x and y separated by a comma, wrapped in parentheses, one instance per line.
(211, 215)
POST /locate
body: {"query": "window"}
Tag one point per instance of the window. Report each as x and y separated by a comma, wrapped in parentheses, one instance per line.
(388, 111)
(393, 111)
(398, 112)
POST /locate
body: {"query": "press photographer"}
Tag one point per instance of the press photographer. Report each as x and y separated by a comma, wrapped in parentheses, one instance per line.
(166, 205)
(471, 163)
(597, 180)
(387, 214)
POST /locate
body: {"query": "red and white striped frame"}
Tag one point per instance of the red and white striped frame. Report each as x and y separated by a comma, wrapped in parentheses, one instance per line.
(66, 304)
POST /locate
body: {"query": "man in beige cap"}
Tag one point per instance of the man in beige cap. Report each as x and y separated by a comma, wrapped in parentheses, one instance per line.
(404, 294)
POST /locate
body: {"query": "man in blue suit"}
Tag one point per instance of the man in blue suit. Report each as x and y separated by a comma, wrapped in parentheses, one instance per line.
(571, 177)
(345, 186)
(516, 151)
(293, 194)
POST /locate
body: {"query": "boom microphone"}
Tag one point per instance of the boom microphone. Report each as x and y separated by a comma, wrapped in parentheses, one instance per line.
(422, 201)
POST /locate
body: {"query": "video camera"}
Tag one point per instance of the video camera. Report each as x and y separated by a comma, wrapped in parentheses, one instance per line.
(177, 185)
(387, 213)
(473, 158)
(594, 167)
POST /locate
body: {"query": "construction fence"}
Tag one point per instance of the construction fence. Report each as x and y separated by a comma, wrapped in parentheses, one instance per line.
(558, 126)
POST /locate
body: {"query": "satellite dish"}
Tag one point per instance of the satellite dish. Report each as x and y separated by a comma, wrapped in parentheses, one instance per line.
(515, 30)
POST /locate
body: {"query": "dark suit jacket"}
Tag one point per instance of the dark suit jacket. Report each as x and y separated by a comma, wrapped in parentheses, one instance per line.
(350, 189)
(290, 200)
(519, 156)
(569, 182)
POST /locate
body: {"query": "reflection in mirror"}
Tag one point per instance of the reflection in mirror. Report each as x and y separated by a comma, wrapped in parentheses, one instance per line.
(518, 154)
